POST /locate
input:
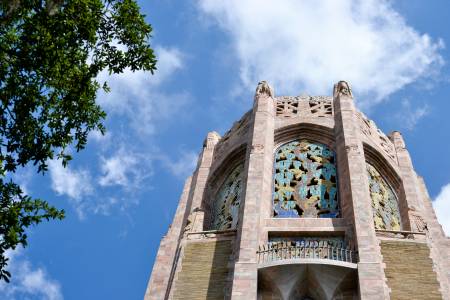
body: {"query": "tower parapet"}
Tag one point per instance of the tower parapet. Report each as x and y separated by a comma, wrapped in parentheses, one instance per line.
(304, 197)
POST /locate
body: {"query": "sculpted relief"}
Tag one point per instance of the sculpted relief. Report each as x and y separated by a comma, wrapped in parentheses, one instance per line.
(264, 88)
(305, 181)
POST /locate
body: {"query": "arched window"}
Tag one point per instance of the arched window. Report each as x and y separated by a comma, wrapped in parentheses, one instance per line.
(386, 214)
(225, 210)
(305, 181)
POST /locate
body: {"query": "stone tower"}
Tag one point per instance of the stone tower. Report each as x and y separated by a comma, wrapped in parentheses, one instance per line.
(303, 198)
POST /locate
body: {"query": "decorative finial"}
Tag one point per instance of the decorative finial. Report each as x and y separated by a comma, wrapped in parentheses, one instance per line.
(343, 88)
(264, 88)
(397, 139)
(211, 140)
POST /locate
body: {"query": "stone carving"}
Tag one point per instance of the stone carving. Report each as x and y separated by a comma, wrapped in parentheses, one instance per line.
(318, 247)
(369, 129)
(288, 107)
(386, 145)
(396, 138)
(189, 222)
(352, 149)
(305, 181)
(386, 214)
(211, 140)
(225, 210)
(194, 220)
(304, 106)
(258, 148)
(264, 88)
(239, 129)
(343, 88)
(418, 221)
(310, 241)
(320, 108)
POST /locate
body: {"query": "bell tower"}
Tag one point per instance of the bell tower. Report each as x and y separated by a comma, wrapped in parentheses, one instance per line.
(303, 198)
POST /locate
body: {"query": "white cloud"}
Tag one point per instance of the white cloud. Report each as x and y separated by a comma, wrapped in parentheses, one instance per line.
(139, 105)
(183, 165)
(28, 282)
(76, 184)
(24, 176)
(125, 168)
(306, 46)
(73, 183)
(104, 205)
(409, 116)
(138, 96)
(100, 138)
(441, 206)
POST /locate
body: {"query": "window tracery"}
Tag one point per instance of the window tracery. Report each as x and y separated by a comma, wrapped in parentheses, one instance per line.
(386, 214)
(305, 181)
(227, 201)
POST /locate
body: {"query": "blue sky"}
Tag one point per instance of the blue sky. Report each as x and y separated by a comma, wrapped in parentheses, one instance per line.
(121, 192)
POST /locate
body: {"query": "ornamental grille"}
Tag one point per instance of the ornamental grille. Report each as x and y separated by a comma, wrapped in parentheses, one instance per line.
(305, 181)
(287, 248)
(304, 106)
(227, 201)
(386, 214)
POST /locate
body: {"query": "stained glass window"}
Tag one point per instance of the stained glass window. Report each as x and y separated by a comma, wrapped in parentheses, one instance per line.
(305, 181)
(227, 201)
(385, 210)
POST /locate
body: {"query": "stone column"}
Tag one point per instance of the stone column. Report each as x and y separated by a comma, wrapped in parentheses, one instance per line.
(190, 202)
(437, 241)
(354, 194)
(166, 258)
(202, 172)
(259, 161)
(413, 206)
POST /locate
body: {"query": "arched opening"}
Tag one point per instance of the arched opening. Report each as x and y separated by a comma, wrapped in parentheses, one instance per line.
(227, 200)
(305, 181)
(307, 281)
(385, 208)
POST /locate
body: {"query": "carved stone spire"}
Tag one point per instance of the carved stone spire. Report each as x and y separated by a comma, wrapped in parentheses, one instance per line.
(264, 88)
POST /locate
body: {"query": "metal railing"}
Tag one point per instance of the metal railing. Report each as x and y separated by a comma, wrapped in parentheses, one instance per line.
(286, 251)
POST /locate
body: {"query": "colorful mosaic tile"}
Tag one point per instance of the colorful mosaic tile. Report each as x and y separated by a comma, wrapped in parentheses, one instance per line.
(305, 181)
(227, 201)
(386, 214)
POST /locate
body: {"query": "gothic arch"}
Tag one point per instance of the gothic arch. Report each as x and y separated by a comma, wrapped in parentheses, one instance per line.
(386, 189)
(224, 191)
(311, 131)
(379, 161)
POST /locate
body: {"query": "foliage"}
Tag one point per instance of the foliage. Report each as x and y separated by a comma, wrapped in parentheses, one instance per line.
(50, 55)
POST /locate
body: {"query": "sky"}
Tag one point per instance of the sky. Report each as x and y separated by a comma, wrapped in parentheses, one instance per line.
(121, 192)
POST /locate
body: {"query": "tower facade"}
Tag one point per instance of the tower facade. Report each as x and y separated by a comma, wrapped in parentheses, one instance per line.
(303, 198)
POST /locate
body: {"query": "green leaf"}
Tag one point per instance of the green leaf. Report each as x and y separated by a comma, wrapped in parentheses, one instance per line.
(51, 52)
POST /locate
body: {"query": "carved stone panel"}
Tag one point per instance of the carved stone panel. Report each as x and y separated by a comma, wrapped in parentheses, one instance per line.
(304, 106)
(305, 181)
(321, 106)
(227, 201)
(385, 209)
(237, 131)
(310, 241)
